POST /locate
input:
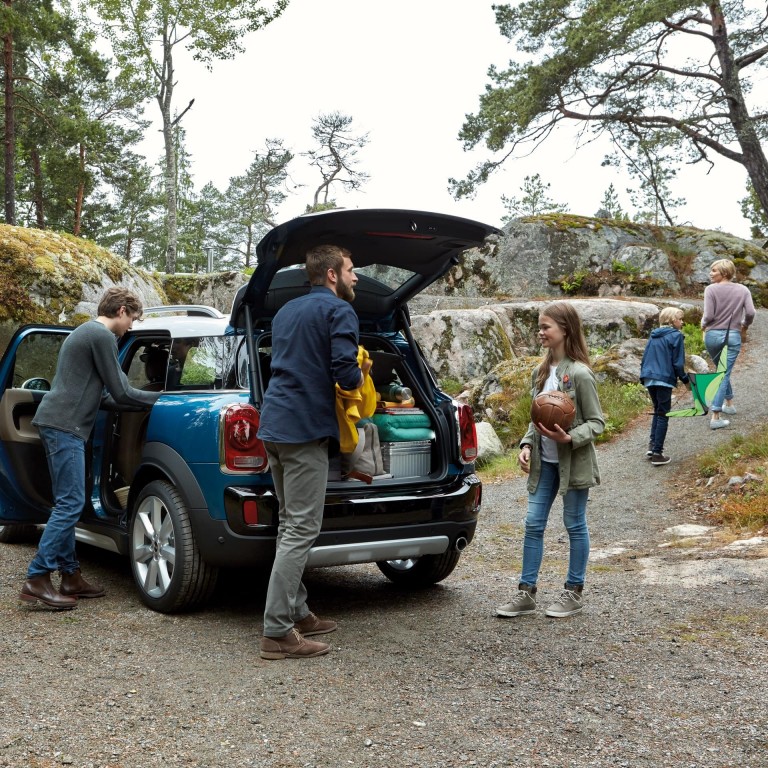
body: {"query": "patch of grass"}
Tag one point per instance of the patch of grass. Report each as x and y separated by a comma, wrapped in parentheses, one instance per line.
(738, 452)
(749, 510)
(500, 468)
(689, 543)
(744, 507)
(603, 568)
(622, 404)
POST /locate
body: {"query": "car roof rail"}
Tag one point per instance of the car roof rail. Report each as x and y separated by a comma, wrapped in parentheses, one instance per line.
(191, 310)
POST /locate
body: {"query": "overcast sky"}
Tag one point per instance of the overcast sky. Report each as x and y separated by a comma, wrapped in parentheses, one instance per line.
(407, 71)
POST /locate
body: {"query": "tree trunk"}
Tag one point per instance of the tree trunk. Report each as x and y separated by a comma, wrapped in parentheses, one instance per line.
(80, 194)
(754, 159)
(164, 98)
(39, 202)
(10, 133)
(129, 230)
(248, 247)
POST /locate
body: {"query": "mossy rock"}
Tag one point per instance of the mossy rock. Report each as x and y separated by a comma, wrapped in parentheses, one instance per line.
(56, 278)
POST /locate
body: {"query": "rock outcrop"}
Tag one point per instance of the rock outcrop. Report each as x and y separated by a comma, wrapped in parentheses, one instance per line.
(554, 254)
(466, 344)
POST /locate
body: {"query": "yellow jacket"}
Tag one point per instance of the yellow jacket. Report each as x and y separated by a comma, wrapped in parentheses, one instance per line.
(355, 404)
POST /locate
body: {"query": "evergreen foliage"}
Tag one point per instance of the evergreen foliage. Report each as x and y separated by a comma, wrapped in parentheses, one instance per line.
(679, 69)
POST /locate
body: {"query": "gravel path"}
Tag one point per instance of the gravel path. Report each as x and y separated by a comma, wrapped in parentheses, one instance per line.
(665, 666)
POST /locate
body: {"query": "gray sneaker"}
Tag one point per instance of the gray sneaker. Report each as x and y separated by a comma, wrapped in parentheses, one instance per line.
(569, 603)
(523, 602)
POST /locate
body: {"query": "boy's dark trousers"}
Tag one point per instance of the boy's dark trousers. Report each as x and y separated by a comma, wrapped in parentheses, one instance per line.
(662, 403)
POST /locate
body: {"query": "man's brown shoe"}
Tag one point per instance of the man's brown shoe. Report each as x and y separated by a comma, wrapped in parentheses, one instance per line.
(40, 589)
(291, 646)
(74, 585)
(312, 625)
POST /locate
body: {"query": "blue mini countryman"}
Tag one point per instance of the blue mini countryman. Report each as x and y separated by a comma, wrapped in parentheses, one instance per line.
(184, 489)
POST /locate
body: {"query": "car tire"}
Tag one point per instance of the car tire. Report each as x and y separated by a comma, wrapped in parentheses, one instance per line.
(17, 534)
(420, 571)
(167, 567)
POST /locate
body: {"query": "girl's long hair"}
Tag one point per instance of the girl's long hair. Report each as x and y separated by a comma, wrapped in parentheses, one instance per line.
(576, 348)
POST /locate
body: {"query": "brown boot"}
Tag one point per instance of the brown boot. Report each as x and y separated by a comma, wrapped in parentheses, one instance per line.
(312, 625)
(40, 589)
(74, 585)
(291, 646)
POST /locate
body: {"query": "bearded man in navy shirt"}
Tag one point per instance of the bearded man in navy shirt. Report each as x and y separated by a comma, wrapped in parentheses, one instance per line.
(314, 347)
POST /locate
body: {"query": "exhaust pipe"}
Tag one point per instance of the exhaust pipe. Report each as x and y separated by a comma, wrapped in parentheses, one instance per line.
(461, 543)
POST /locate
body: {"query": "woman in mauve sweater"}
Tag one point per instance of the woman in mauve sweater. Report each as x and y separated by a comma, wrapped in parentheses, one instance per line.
(728, 309)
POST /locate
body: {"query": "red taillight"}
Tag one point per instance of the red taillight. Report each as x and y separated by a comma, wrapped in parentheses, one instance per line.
(251, 513)
(243, 451)
(467, 434)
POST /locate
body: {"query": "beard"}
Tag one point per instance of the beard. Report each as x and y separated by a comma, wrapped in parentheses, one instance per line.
(346, 292)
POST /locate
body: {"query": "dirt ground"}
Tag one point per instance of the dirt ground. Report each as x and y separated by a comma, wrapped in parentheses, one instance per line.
(664, 667)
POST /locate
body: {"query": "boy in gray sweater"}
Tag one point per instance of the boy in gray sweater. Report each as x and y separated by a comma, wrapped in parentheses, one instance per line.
(87, 365)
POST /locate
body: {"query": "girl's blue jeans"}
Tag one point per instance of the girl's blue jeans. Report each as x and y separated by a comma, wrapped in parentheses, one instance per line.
(575, 520)
(66, 461)
(714, 341)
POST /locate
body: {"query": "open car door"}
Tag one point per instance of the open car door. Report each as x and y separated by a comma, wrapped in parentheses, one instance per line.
(26, 371)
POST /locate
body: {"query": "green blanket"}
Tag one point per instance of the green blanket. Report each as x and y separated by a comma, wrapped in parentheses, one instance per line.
(395, 428)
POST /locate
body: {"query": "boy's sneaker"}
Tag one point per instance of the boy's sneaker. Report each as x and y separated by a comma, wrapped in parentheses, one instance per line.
(569, 603)
(729, 409)
(719, 423)
(657, 459)
(523, 602)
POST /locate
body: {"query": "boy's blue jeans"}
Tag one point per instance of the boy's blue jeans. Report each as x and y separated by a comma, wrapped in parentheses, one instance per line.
(714, 341)
(575, 520)
(66, 461)
(662, 403)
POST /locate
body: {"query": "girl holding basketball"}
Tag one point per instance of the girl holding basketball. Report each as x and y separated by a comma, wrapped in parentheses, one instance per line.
(558, 460)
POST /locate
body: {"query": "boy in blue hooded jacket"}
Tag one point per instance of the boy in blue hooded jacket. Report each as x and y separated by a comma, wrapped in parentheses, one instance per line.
(663, 364)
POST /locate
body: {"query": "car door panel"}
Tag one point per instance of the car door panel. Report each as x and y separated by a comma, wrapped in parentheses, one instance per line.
(26, 370)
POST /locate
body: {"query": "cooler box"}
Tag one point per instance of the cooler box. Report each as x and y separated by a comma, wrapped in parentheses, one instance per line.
(407, 459)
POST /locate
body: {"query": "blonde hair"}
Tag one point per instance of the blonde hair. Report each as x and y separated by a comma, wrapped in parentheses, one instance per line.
(725, 267)
(567, 318)
(669, 314)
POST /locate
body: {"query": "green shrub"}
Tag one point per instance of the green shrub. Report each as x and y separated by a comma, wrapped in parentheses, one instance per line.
(571, 284)
(694, 339)
(624, 268)
(451, 386)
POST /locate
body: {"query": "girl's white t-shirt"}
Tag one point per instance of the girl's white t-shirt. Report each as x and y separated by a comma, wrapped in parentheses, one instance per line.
(549, 447)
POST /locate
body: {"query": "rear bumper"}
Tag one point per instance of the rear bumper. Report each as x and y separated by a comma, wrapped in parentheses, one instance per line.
(373, 551)
(355, 529)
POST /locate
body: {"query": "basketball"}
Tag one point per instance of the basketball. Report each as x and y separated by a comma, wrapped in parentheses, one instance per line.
(551, 408)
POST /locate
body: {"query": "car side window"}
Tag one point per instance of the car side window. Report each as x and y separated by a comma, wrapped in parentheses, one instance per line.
(201, 363)
(36, 357)
(149, 365)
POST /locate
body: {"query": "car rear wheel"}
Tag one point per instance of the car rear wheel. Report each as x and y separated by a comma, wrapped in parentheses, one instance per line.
(17, 534)
(165, 560)
(420, 571)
